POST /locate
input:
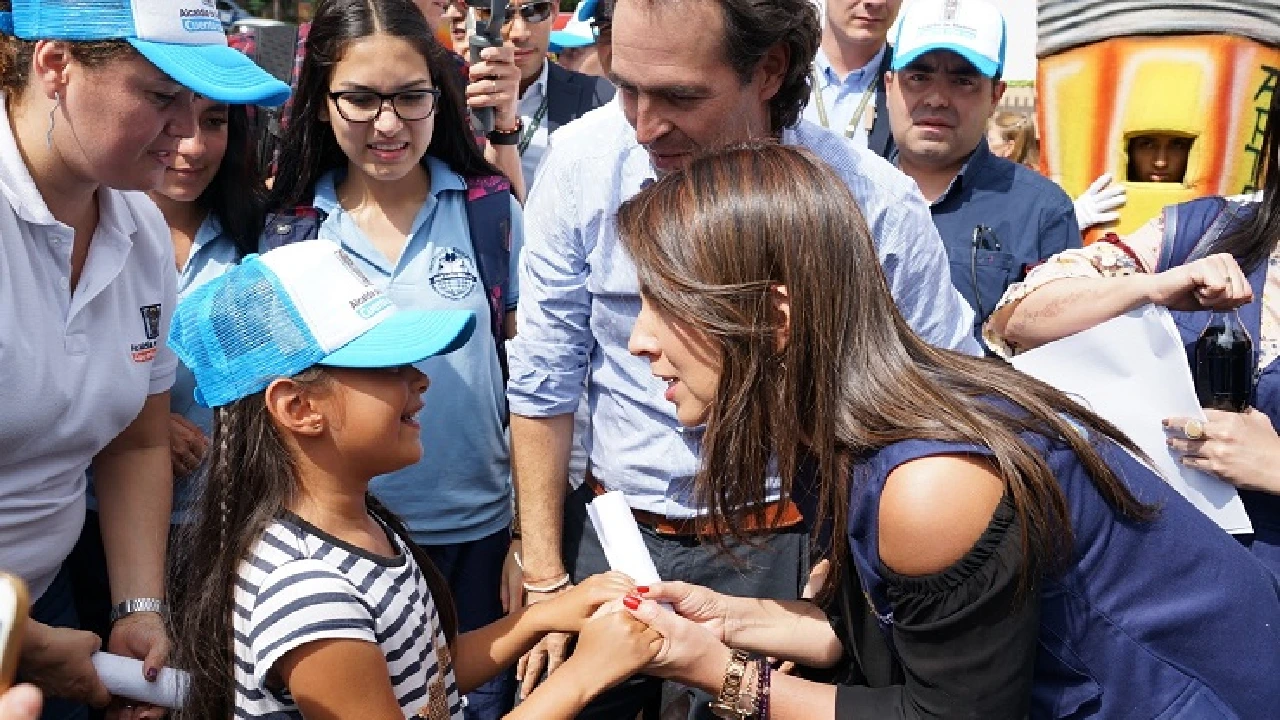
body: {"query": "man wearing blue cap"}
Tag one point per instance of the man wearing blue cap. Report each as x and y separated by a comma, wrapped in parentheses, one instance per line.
(996, 218)
(579, 44)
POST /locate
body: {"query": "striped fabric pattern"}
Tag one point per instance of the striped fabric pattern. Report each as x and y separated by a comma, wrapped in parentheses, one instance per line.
(300, 584)
(1064, 24)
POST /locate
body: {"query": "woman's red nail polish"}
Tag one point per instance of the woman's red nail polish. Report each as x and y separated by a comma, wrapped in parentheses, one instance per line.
(642, 589)
(631, 601)
(152, 674)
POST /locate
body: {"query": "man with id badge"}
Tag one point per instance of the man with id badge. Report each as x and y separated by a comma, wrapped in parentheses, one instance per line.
(550, 95)
(997, 219)
(848, 72)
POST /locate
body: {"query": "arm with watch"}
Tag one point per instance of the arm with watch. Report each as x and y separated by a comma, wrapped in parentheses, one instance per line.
(494, 82)
(134, 484)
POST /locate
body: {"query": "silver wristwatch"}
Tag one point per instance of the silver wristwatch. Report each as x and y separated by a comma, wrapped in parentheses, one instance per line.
(137, 605)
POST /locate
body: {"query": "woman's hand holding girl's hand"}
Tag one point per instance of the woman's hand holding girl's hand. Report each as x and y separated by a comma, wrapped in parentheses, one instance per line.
(689, 650)
(568, 611)
(612, 647)
(702, 606)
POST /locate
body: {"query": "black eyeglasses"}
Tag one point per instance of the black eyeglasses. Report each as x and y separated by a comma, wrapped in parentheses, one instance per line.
(361, 106)
(532, 12)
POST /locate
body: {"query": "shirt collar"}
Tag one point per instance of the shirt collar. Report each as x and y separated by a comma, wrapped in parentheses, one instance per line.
(977, 160)
(532, 98)
(443, 178)
(209, 231)
(860, 77)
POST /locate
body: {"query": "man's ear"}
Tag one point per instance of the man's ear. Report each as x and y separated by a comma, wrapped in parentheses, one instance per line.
(998, 92)
(49, 63)
(782, 308)
(294, 409)
(773, 70)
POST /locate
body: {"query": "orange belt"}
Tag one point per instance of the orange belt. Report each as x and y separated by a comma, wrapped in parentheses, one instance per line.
(777, 515)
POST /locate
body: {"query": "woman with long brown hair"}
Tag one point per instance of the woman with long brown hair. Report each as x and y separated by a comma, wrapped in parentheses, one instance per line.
(999, 550)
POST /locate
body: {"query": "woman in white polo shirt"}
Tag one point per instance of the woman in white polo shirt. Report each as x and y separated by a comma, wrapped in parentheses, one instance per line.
(97, 94)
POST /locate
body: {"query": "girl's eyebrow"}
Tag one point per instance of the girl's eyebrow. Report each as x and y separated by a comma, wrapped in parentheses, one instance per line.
(348, 84)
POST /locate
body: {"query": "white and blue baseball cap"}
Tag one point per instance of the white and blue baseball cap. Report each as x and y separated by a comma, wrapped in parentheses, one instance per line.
(973, 29)
(183, 38)
(308, 303)
(577, 32)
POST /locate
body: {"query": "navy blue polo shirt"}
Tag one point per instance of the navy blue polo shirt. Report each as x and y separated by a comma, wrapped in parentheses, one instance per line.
(1021, 218)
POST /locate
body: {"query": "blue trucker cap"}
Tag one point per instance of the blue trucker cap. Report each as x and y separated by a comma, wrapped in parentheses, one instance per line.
(183, 38)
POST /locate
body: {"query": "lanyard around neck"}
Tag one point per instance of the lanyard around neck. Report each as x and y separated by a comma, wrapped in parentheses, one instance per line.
(534, 123)
(852, 127)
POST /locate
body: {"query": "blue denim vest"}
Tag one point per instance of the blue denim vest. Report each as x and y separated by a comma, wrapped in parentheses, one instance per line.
(1185, 226)
(1172, 619)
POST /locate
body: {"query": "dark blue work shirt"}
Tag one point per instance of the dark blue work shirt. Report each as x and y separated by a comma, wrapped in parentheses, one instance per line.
(1020, 218)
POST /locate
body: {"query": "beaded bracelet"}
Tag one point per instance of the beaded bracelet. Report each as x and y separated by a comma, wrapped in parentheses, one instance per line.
(762, 690)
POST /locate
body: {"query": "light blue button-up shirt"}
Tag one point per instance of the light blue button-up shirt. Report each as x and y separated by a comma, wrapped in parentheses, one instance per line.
(580, 298)
(840, 97)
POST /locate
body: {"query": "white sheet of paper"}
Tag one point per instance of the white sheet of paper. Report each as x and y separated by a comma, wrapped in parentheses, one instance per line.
(620, 537)
(123, 678)
(1132, 370)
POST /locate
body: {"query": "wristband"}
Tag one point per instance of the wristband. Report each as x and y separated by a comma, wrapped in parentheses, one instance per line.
(559, 584)
(507, 137)
(137, 605)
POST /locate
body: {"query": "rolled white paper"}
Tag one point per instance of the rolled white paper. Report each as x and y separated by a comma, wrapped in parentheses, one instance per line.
(123, 678)
(619, 535)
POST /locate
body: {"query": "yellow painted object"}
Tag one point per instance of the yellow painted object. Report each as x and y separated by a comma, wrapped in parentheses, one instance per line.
(1092, 98)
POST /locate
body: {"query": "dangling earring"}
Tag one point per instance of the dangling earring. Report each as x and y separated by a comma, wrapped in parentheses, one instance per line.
(48, 136)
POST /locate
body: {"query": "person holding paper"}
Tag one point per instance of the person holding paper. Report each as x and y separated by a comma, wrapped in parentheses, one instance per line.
(1207, 254)
(998, 550)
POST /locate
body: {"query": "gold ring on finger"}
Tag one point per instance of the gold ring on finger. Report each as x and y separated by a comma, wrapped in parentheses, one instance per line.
(1194, 429)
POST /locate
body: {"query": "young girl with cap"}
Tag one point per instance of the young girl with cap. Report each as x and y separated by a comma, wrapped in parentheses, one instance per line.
(304, 596)
(380, 160)
(97, 94)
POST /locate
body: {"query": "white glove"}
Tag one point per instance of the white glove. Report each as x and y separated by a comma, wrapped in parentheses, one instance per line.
(1099, 203)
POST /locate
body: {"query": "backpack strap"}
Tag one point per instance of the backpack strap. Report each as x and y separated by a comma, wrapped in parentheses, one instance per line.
(1187, 235)
(489, 221)
(290, 226)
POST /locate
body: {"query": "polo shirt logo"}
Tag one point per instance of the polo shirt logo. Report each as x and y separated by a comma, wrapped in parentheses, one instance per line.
(453, 273)
(151, 320)
(146, 351)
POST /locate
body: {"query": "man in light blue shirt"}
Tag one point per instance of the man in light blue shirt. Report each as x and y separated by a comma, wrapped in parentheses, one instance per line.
(679, 92)
(848, 72)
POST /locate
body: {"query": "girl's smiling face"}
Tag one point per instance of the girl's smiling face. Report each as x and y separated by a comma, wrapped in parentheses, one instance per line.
(198, 157)
(372, 417)
(388, 147)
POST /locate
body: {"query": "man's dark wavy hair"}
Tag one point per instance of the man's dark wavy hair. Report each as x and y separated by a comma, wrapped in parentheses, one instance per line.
(752, 28)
